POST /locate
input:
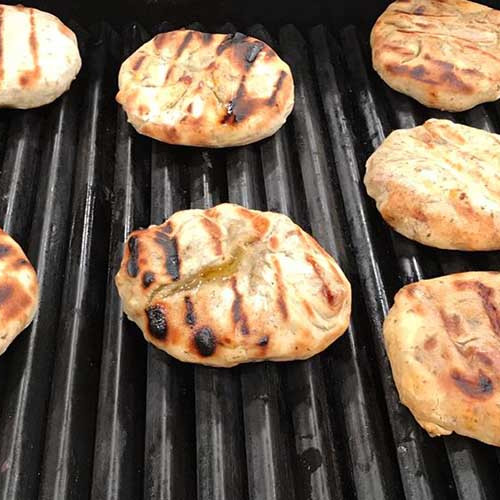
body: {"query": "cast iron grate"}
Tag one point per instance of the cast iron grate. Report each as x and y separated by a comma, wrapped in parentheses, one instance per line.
(89, 410)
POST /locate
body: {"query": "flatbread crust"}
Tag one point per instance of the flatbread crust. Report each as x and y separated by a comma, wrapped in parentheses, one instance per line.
(443, 53)
(18, 291)
(439, 184)
(39, 57)
(443, 340)
(202, 89)
(230, 285)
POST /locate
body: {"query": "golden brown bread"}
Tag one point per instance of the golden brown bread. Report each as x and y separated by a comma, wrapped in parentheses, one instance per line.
(443, 340)
(202, 89)
(230, 285)
(439, 184)
(443, 53)
(18, 291)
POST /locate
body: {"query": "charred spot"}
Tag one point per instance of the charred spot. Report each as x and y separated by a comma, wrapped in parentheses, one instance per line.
(169, 247)
(4, 250)
(168, 228)
(186, 79)
(6, 292)
(138, 62)
(205, 341)
(148, 278)
(229, 41)
(453, 81)
(132, 265)
(239, 316)
(252, 52)
(190, 107)
(206, 38)
(277, 87)
(419, 10)
(240, 106)
(157, 322)
(462, 196)
(263, 341)
(184, 44)
(474, 388)
(190, 316)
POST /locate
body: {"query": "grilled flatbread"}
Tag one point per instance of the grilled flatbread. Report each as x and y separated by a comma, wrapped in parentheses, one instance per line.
(39, 57)
(443, 340)
(443, 53)
(202, 89)
(18, 291)
(229, 285)
(439, 184)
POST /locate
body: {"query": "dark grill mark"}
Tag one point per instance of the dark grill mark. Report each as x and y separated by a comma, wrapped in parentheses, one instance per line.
(29, 77)
(169, 247)
(169, 72)
(132, 265)
(138, 63)
(277, 87)
(480, 388)
(168, 228)
(184, 44)
(327, 293)
(263, 341)
(159, 40)
(205, 341)
(4, 250)
(229, 41)
(186, 79)
(215, 233)
(418, 72)
(452, 323)
(486, 294)
(157, 322)
(252, 53)
(190, 316)
(148, 278)
(239, 316)
(484, 358)
(206, 38)
(281, 290)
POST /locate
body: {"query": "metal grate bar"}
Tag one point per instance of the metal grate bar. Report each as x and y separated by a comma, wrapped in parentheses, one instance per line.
(27, 391)
(118, 448)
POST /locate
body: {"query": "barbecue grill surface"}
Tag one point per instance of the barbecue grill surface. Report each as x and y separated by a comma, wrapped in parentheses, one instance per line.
(89, 410)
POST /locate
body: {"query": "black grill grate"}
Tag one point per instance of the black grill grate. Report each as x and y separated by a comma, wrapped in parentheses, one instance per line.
(89, 410)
